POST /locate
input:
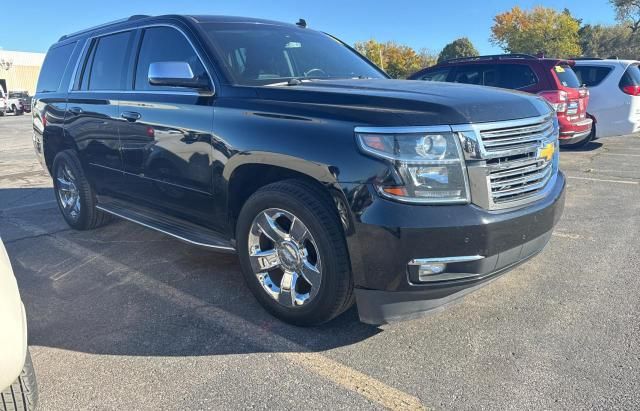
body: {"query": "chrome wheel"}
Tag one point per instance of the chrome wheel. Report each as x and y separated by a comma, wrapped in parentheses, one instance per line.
(284, 257)
(68, 192)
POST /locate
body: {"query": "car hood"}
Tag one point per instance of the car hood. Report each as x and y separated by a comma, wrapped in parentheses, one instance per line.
(404, 102)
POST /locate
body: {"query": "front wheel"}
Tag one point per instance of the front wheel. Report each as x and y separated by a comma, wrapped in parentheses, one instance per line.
(293, 253)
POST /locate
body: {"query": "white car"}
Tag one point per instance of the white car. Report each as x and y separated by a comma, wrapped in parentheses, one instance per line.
(18, 388)
(615, 95)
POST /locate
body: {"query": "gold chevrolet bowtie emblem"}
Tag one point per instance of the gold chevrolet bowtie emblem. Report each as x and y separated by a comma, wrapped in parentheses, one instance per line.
(547, 151)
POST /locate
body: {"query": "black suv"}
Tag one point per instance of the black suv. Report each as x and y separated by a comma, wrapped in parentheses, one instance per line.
(332, 182)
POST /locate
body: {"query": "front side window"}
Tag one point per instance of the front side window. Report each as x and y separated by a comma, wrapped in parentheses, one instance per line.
(107, 65)
(470, 74)
(436, 75)
(164, 44)
(53, 68)
(261, 54)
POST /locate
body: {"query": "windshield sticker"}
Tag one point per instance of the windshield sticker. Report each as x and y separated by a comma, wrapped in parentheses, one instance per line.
(559, 69)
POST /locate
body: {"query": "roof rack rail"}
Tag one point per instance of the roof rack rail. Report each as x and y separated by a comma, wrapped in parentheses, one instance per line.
(99, 26)
(585, 58)
(490, 57)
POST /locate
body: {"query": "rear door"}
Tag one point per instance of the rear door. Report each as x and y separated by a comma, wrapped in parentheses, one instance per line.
(92, 113)
(166, 133)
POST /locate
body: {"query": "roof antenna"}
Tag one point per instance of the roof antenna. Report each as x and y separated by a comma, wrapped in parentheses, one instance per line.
(302, 23)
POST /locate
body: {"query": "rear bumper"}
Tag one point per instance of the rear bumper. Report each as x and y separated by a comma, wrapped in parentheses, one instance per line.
(390, 236)
(572, 133)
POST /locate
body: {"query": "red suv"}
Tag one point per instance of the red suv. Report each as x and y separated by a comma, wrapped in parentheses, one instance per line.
(553, 79)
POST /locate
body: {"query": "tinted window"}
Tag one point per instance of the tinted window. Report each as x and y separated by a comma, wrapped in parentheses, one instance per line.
(259, 54)
(436, 75)
(164, 44)
(469, 75)
(631, 77)
(591, 75)
(53, 68)
(516, 76)
(108, 67)
(566, 76)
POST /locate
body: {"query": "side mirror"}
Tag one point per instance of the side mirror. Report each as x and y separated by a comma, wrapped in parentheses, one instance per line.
(175, 74)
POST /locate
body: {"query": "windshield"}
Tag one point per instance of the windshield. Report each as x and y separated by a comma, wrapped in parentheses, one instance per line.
(261, 54)
(566, 76)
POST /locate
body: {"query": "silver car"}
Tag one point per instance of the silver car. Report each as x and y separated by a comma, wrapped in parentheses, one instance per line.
(18, 388)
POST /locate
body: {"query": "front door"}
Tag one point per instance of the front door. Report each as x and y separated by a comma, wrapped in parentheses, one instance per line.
(165, 134)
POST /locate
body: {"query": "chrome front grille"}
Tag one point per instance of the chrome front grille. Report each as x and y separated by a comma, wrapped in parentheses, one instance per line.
(506, 161)
(509, 138)
(516, 179)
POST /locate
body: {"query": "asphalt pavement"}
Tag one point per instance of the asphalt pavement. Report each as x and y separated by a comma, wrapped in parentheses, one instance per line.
(124, 317)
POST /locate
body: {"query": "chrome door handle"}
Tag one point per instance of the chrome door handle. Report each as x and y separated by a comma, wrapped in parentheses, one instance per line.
(130, 116)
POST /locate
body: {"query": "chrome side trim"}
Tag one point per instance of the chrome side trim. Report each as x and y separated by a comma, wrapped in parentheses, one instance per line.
(446, 260)
(215, 247)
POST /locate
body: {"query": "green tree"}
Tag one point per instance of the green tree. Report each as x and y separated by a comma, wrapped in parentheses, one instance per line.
(397, 60)
(606, 41)
(628, 13)
(462, 47)
(541, 29)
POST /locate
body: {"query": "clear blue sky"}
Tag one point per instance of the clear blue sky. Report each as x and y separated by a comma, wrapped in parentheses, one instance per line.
(418, 23)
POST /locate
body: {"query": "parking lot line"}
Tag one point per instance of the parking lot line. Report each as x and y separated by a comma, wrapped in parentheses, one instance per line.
(368, 387)
(621, 154)
(604, 180)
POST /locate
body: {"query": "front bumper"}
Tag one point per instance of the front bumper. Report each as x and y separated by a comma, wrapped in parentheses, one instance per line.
(388, 235)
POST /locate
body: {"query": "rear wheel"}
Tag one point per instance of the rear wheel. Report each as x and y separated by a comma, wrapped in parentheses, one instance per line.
(293, 253)
(75, 196)
(22, 395)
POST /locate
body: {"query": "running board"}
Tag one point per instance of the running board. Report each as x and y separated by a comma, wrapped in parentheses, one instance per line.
(175, 227)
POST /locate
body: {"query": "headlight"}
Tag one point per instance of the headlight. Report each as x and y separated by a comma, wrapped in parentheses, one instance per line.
(430, 165)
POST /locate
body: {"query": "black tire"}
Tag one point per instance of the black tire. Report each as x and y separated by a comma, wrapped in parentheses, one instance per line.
(317, 211)
(18, 112)
(1, 113)
(89, 216)
(22, 395)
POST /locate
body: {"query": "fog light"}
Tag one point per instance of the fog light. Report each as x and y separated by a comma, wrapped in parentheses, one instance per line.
(426, 270)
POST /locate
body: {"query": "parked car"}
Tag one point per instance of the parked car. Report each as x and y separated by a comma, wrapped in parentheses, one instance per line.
(3, 102)
(615, 90)
(18, 387)
(331, 181)
(18, 102)
(550, 78)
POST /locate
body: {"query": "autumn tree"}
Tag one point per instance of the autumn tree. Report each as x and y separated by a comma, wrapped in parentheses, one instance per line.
(462, 47)
(628, 13)
(397, 60)
(538, 30)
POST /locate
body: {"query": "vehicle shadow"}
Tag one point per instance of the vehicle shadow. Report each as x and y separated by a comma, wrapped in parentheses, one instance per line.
(593, 145)
(126, 290)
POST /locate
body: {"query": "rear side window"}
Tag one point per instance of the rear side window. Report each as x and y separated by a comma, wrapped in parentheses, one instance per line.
(436, 75)
(516, 76)
(164, 44)
(566, 76)
(54, 67)
(107, 65)
(591, 76)
(631, 77)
